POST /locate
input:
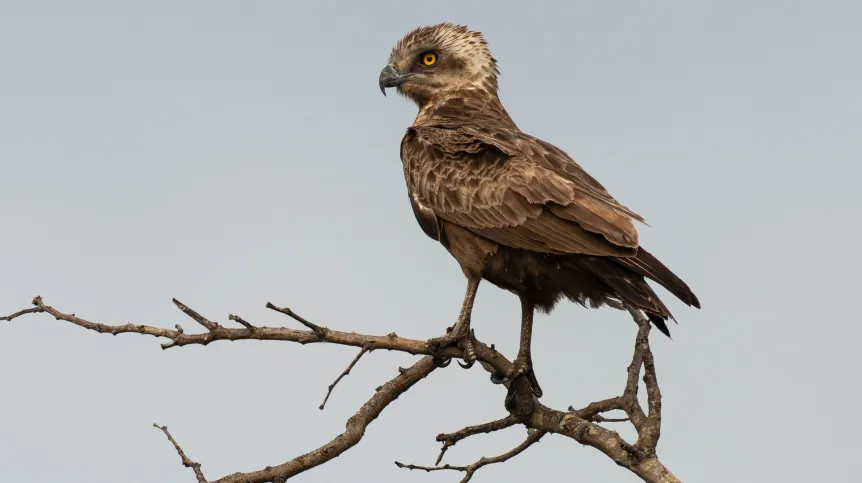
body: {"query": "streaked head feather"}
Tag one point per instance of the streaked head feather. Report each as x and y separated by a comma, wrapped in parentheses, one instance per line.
(465, 60)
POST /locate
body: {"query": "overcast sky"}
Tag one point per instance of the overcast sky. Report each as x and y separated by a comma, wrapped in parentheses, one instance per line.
(234, 153)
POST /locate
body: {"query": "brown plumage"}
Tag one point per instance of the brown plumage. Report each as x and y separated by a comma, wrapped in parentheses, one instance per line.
(511, 208)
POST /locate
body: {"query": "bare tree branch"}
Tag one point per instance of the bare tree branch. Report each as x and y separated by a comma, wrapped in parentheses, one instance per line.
(598, 418)
(318, 330)
(354, 432)
(594, 409)
(647, 467)
(179, 338)
(341, 376)
(208, 324)
(631, 405)
(25, 311)
(450, 439)
(579, 425)
(650, 428)
(239, 320)
(533, 437)
(188, 463)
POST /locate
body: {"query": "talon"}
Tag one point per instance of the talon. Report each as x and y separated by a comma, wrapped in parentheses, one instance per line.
(469, 351)
(461, 337)
(537, 391)
(523, 369)
(434, 349)
(457, 332)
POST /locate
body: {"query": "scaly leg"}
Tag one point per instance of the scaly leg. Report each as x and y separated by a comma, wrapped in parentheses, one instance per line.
(461, 332)
(524, 362)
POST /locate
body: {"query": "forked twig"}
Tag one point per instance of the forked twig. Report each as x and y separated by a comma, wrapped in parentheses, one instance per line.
(450, 439)
(533, 436)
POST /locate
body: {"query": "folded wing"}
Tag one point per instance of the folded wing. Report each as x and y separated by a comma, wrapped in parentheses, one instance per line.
(515, 190)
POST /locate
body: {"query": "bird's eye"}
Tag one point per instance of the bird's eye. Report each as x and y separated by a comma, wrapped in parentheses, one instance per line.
(429, 58)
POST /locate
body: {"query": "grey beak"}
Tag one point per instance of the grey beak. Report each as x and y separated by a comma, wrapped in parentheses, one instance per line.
(390, 77)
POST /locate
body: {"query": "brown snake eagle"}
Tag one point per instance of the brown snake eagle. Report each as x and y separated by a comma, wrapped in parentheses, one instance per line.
(510, 208)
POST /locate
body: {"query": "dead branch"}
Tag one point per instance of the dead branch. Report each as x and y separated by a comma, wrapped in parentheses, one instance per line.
(239, 320)
(188, 463)
(449, 440)
(354, 432)
(650, 429)
(533, 437)
(580, 425)
(318, 330)
(208, 324)
(344, 373)
(180, 338)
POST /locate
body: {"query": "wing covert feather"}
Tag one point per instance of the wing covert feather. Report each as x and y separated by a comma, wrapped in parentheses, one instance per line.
(506, 187)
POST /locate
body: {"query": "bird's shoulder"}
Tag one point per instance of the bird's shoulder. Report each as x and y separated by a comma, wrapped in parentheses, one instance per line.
(514, 152)
(451, 170)
(489, 176)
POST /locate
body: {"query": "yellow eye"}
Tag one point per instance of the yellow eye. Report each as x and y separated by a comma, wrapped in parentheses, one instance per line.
(429, 58)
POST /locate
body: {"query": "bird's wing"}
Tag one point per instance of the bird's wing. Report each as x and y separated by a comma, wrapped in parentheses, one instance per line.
(515, 190)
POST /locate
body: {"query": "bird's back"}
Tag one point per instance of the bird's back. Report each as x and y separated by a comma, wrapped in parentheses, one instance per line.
(559, 232)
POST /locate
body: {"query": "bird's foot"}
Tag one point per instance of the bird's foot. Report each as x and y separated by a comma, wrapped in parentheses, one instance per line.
(523, 367)
(436, 345)
(466, 345)
(463, 338)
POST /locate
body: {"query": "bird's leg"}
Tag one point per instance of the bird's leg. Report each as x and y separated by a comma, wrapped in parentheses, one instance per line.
(524, 362)
(460, 333)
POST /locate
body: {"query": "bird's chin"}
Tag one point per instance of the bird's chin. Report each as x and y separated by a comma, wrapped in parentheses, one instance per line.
(420, 94)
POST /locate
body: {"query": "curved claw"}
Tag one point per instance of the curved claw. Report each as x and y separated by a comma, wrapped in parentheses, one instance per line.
(522, 369)
(469, 351)
(537, 391)
(463, 339)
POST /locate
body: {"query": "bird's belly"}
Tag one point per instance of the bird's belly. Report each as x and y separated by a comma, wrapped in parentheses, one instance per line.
(540, 277)
(543, 278)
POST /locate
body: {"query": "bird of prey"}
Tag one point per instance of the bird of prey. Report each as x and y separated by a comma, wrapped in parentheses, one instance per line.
(510, 208)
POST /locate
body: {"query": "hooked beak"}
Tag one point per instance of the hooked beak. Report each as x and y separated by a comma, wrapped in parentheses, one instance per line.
(390, 77)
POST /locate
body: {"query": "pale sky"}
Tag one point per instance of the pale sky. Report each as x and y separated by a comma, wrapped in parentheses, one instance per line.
(234, 153)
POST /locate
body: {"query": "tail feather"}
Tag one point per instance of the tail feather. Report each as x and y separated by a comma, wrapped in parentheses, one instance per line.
(649, 266)
(626, 276)
(631, 287)
(659, 324)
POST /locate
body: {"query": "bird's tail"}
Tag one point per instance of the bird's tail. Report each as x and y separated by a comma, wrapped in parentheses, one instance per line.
(625, 276)
(647, 265)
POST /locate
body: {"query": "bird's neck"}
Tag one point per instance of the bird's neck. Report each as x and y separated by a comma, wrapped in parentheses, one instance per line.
(465, 106)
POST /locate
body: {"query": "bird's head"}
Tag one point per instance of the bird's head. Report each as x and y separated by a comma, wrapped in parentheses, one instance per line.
(429, 61)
